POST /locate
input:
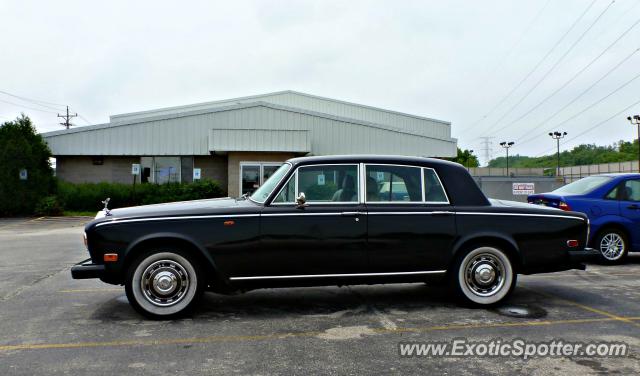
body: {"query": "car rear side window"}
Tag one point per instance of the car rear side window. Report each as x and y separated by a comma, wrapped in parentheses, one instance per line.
(433, 189)
(388, 183)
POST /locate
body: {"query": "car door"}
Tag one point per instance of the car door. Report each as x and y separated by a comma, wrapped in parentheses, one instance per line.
(325, 236)
(630, 209)
(411, 225)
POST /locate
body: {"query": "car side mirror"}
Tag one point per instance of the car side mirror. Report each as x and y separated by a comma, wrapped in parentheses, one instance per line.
(301, 200)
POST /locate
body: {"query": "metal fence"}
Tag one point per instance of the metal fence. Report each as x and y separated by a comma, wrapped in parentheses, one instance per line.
(577, 172)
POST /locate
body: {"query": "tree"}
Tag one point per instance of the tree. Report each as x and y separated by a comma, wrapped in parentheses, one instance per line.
(22, 148)
(584, 154)
(465, 158)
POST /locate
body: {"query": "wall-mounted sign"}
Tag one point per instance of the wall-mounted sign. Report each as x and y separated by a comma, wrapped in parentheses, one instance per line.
(321, 179)
(520, 189)
(197, 174)
(23, 174)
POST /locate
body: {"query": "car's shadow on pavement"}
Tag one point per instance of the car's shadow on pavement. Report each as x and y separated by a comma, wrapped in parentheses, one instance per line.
(286, 303)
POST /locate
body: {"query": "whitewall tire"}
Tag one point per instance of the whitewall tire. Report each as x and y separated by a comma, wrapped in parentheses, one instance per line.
(164, 284)
(484, 276)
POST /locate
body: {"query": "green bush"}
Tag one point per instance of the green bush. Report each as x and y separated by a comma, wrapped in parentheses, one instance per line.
(48, 206)
(88, 196)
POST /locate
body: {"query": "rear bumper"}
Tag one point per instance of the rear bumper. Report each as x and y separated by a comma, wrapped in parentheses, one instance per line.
(86, 269)
(586, 255)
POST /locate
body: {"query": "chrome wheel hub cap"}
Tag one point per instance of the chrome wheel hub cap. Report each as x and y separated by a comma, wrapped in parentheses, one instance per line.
(164, 283)
(612, 246)
(485, 274)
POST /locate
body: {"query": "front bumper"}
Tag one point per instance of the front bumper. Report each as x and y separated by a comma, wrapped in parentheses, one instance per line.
(86, 269)
(586, 255)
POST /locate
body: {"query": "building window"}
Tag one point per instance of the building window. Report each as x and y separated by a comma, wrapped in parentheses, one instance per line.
(166, 170)
(253, 174)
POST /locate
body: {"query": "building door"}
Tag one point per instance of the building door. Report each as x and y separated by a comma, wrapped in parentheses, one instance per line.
(254, 174)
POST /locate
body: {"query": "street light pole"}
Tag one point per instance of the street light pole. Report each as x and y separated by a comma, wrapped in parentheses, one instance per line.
(506, 146)
(557, 136)
(469, 158)
(635, 120)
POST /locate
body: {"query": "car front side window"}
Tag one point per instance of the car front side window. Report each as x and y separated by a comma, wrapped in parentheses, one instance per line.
(631, 190)
(329, 183)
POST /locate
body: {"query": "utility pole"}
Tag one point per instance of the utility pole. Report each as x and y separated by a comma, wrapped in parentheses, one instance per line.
(557, 136)
(635, 120)
(507, 145)
(469, 155)
(487, 148)
(67, 118)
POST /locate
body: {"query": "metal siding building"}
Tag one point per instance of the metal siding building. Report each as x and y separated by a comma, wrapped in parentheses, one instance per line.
(223, 138)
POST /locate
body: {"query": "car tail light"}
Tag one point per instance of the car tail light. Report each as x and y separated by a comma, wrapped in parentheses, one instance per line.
(572, 243)
(110, 257)
(564, 206)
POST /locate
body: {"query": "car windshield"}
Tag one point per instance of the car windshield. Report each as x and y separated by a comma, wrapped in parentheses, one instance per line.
(261, 194)
(582, 186)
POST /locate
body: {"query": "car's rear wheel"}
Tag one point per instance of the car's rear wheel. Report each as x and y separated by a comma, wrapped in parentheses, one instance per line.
(484, 276)
(612, 244)
(164, 284)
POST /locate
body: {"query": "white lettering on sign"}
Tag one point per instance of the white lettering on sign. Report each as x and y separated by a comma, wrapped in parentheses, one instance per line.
(520, 189)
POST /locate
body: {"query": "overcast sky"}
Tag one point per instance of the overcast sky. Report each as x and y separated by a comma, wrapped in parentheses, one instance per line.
(458, 61)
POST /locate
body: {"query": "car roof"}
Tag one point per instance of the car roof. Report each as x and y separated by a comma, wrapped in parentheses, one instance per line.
(370, 158)
(619, 174)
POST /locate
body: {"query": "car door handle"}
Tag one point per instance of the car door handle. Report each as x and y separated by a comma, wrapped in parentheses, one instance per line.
(633, 207)
(350, 214)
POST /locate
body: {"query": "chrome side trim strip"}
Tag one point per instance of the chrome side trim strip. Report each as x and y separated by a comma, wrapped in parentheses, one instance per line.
(435, 212)
(336, 275)
(522, 215)
(298, 214)
(117, 221)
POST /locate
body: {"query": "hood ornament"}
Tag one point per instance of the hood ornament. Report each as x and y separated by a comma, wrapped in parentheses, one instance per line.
(106, 206)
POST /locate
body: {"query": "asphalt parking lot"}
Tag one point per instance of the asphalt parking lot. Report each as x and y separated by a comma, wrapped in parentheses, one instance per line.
(51, 324)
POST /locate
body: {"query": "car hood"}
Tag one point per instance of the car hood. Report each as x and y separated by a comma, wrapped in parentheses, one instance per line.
(181, 208)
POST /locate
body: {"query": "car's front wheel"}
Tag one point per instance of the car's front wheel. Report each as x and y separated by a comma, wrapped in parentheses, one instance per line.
(164, 284)
(612, 244)
(484, 276)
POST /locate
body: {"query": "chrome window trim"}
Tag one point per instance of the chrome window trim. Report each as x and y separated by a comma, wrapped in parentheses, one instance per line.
(425, 272)
(422, 172)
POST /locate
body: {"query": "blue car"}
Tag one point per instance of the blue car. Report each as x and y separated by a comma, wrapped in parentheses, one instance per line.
(612, 203)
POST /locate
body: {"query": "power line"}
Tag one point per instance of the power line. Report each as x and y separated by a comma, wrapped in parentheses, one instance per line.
(596, 125)
(34, 101)
(589, 106)
(573, 77)
(554, 66)
(503, 60)
(508, 95)
(30, 108)
(578, 97)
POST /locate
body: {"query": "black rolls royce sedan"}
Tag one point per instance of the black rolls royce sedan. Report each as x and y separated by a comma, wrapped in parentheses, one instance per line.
(336, 220)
